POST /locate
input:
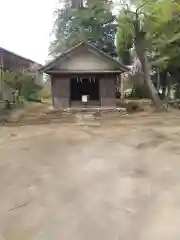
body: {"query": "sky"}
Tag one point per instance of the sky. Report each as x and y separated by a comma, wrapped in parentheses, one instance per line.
(25, 27)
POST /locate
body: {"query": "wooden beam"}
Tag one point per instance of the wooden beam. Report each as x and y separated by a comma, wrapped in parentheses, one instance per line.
(122, 86)
(83, 72)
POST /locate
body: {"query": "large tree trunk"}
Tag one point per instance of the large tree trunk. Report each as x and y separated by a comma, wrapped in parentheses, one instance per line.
(147, 79)
(141, 50)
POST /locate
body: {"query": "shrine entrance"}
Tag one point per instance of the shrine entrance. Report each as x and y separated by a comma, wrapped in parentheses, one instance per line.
(80, 86)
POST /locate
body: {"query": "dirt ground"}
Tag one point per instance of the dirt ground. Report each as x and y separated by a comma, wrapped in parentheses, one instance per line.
(111, 178)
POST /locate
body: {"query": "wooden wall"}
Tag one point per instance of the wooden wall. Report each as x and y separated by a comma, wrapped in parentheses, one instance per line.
(14, 62)
(108, 92)
(61, 92)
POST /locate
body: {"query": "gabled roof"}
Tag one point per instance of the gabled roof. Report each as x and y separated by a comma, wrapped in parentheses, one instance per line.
(119, 65)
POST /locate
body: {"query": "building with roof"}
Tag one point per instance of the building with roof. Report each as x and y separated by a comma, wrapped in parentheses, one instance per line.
(84, 76)
(14, 62)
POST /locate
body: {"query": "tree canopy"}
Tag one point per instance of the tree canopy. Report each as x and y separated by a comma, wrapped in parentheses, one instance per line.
(152, 28)
(92, 21)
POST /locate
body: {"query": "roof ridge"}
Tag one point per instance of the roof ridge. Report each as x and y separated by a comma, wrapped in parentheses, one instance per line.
(89, 44)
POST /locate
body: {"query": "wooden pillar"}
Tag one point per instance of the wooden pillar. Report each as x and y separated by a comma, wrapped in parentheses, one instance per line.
(122, 86)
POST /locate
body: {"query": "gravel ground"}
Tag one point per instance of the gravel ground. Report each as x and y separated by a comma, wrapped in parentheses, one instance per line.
(112, 178)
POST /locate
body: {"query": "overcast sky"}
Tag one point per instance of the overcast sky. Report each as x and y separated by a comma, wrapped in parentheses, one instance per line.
(25, 27)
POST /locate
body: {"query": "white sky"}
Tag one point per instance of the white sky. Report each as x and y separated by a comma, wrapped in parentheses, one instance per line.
(25, 27)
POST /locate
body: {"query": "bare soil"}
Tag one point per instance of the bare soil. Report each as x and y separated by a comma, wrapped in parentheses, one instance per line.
(113, 177)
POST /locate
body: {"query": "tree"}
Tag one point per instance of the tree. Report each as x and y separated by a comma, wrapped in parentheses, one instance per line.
(166, 46)
(140, 20)
(21, 84)
(124, 44)
(90, 22)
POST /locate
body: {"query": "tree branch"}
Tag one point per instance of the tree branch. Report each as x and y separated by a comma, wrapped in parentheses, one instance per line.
(141, 6)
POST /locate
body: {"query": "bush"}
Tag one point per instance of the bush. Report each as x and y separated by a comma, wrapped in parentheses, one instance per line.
(30, 90)
(22, 85)
(46, 91)
(139, 92)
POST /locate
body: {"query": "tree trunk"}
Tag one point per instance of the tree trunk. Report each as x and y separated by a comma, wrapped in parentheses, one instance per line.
(141, 50)
(163, 79)
(169, 87)
(142, 54)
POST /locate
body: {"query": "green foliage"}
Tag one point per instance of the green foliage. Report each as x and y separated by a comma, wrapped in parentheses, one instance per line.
(139, 92)
(29, 89)
(46, 91)
(93, 22)
(154, 27)
(16, 85)
(124, 42)
(159, 20)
